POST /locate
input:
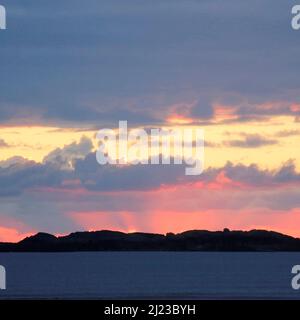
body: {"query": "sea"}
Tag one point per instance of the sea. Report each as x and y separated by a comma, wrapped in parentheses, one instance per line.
(149, 275)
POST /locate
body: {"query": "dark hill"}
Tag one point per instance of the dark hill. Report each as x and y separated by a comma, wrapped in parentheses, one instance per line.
(194, 240)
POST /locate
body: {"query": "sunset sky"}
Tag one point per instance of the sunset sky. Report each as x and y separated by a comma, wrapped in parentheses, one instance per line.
(69, 68)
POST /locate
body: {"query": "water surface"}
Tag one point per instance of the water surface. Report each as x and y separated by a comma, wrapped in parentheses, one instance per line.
(183, 275)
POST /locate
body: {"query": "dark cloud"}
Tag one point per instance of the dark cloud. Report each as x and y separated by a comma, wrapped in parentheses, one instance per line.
(203, 108)
(17, 178)
(105, 59)
(145, 177)
(287, 133)
(250, 141)
(267, 108)
(122, 178)
(254, 176)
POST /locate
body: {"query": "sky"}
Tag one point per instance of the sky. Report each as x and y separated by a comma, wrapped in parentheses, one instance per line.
(68, 69)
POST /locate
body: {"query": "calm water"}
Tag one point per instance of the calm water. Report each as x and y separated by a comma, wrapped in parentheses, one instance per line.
(149, 275)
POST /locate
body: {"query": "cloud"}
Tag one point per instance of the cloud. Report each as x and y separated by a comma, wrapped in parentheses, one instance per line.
(211, 144)
(3, 144)
(11, 162)
(252, 175)
(45, 197)
(118, 178)
(133, 177)
(18, 175)
(287, 133)
(237, 108)
(105, 58)
(64, 158)
(251, 141)
(17, 178)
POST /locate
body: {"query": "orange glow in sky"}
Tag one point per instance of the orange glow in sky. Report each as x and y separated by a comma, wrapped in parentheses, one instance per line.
(164, 222)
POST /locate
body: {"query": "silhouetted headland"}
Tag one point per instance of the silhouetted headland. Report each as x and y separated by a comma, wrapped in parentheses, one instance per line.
(195, 240)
